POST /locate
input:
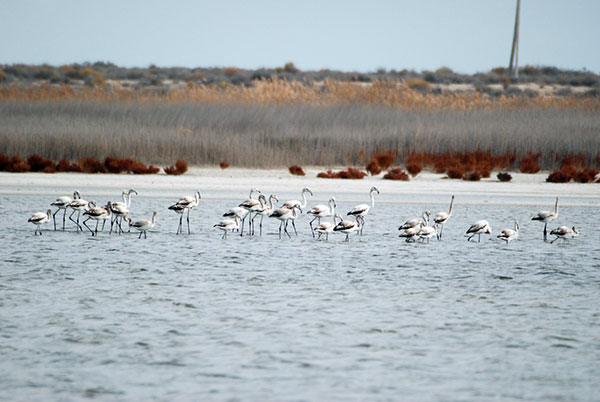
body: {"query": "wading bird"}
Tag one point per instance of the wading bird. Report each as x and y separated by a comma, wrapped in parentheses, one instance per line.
(265, 209)
(98, 214)
(119, 209)
(423, 221)
(347, 226)
(564, 232)
(63, 203)
(361, 210)
(237, 211)
(184, 204)
(546, 217)
(509, 235)
(327, 227)
(228, 225)
(143, 226)
(412, 233)
(427, 232)
(78, 205)
(479, 228)
(250, 205)
(284, 215)
(296, 203)
(38, 219)
(321, 211)
(442, 217)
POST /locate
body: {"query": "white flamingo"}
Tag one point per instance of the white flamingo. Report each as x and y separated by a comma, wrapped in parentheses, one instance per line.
(143, 226)
(361, 210)
(62, 203)
(239, 212)
(284, 215)
(119, 209)
(347, 226)
(479, 228)
(98, 214)
(321, 211)
(509, 235)
(442, 217)
(185, 204)
(412, 233)
(228, 225)
(38, 219)
(265, 209)
(297, 203)
(427, 232)
(251, 205)
(417, 222)
(327, 227)
(546, 217)
(564, 232)
(78, 205)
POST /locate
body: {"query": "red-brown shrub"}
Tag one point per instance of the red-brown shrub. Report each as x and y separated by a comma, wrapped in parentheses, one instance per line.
(326, 175)
(17, 165)
(529, 163)
(575, 160)
(49, 169)
(112, 165)
(414, 164)
(586, 175)
(373, 167)
(65, 166)
(396, 174)
(296, 170)
(91, 165)
(38, 163)
(558, 176)
(384, 159)
(180, 167)
(224, 165)
(472, 176)
(455, 172)
(4, 161)
(351, 173)
(503, 176)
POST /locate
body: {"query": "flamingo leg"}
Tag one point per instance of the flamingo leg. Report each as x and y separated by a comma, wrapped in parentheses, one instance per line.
(545, 231)
(285, 229)
(85, 224)
(54, 218)
(64, 217)
(180, 224)
(73, 220)
(188, 221)
(280, 229)
(347, 237)
(294, 225)
(96, 229)
(260, 225)
(242, 230)
(311, 227)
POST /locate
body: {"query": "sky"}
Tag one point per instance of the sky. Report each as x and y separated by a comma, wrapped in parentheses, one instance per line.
(465, 35)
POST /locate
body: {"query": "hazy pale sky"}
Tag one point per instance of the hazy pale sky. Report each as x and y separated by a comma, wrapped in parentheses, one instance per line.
(465, 35)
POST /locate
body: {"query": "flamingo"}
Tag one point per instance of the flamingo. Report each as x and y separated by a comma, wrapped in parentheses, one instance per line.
(296, 203)
(121, 209)
(228, 225)
(360, 211)
(184, 204)
(509, 235)
(564, 232)
(411, 234)
(78, 205)
(347, 227)
(143, 226)
(284, 215)
(265, 210)
(327, 227)
(424, 220)
(250, 204)
(546, 217)
(98, 214)
(239, 212)
(442, 217)
(63, 203)
(322, 211)
(479, 228)
(427, 232)
(38, 219)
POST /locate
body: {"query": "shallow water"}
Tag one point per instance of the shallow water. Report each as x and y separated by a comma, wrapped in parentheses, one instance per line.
(200, 318)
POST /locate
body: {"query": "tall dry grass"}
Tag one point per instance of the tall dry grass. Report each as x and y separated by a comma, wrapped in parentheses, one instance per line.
(281, 135)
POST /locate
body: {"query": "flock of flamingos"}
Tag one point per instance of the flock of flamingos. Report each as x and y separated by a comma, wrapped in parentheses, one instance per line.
(253, 208)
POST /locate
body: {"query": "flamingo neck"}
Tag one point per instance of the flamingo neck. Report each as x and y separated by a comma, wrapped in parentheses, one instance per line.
(451, 205)
(332, 206)
(556, 207)
(304, 200)
(372, 200)
(271, 203)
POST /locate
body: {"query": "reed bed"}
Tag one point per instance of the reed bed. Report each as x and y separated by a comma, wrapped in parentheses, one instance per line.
(278, 134)
(394, 94)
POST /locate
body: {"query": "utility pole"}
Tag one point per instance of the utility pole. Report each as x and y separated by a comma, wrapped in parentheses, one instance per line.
(514, 53)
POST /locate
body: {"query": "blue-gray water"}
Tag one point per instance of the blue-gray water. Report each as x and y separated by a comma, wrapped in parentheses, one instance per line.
(198, 318)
